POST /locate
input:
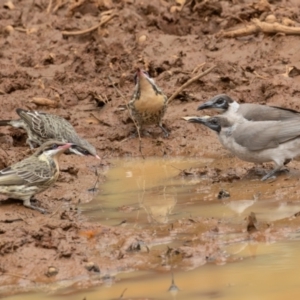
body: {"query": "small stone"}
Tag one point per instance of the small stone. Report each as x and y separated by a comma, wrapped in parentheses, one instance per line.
(91, 266)
(142, 39)
(52, 271)
(223, 194)
(9, 29)
(270, 19)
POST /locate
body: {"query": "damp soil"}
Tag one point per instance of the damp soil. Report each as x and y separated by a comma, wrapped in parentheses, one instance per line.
(78, 74)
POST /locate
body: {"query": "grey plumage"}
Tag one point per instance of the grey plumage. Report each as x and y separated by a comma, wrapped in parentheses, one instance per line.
(34, 174)
(250, 111)
(42, 127)
(258, 142)
(148, 104)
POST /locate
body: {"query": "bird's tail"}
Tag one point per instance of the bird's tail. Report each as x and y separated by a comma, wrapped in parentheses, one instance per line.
(5, 122)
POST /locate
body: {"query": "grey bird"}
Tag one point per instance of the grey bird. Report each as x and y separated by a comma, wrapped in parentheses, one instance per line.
(148, 103)
(257, 142)
(253, 112)
(42, 127)
(34, 174)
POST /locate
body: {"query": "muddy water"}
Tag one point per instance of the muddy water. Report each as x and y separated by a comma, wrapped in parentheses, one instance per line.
(151, 193)
(141, 192)
(266, 271)
(144, 191)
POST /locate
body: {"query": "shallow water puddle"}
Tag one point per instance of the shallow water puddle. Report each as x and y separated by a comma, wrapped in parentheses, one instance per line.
(141, 192)
(266, 271)
(151, 194)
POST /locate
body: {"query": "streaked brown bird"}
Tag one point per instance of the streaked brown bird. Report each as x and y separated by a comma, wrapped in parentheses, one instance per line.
(34, 174)
(148, 103)
(42, 127)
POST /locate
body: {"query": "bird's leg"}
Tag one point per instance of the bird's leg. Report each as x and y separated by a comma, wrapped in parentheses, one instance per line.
(166, 133)
(271, 174)
(28, 204)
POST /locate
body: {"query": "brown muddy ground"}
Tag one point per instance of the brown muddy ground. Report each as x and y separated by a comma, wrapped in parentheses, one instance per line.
(38, 61)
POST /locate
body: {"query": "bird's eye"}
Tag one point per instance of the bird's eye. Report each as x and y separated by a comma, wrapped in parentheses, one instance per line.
(85, 152)
(220, 101)
(54, 146)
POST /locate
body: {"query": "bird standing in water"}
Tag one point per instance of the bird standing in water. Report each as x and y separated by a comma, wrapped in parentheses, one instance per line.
(42, 127)
(34, 174)
(148, 103)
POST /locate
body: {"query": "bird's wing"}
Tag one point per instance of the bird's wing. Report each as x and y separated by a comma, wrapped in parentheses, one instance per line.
(256, 112)
(47, 126)
(54, 127)
(28, 171)
(268, 134)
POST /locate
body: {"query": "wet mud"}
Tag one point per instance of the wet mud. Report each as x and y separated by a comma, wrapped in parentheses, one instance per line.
(78, 74)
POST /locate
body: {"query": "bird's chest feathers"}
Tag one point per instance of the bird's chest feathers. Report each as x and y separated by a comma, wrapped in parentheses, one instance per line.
(149, 100)
(225, 136)
(52, 162)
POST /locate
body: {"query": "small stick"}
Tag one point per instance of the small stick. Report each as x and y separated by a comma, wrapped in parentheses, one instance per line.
(73, 33)
(258, 26)
(121, 297)
(135, 124)
(44, 102)
(189, 82)
(49, 7)
(56, 211)
(198, 67)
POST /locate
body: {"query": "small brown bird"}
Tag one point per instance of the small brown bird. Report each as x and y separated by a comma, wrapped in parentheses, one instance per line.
(148, 103)
(34, 174)
(42, 127)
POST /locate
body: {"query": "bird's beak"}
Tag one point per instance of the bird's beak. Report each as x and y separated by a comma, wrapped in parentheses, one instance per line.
(65, 146)
(206, 122)
(208, 104)
(201, 120)
(97, 156)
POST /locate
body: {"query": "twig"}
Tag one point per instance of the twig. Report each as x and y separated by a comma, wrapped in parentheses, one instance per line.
(134, 121)
(49, 7)
(259, 76)
(44, 102)
(17, 275)
(57, 209)
(189, 82)
(257, 26)
(59, 4)
(198, 67)
(72, 33)
(121, 297)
